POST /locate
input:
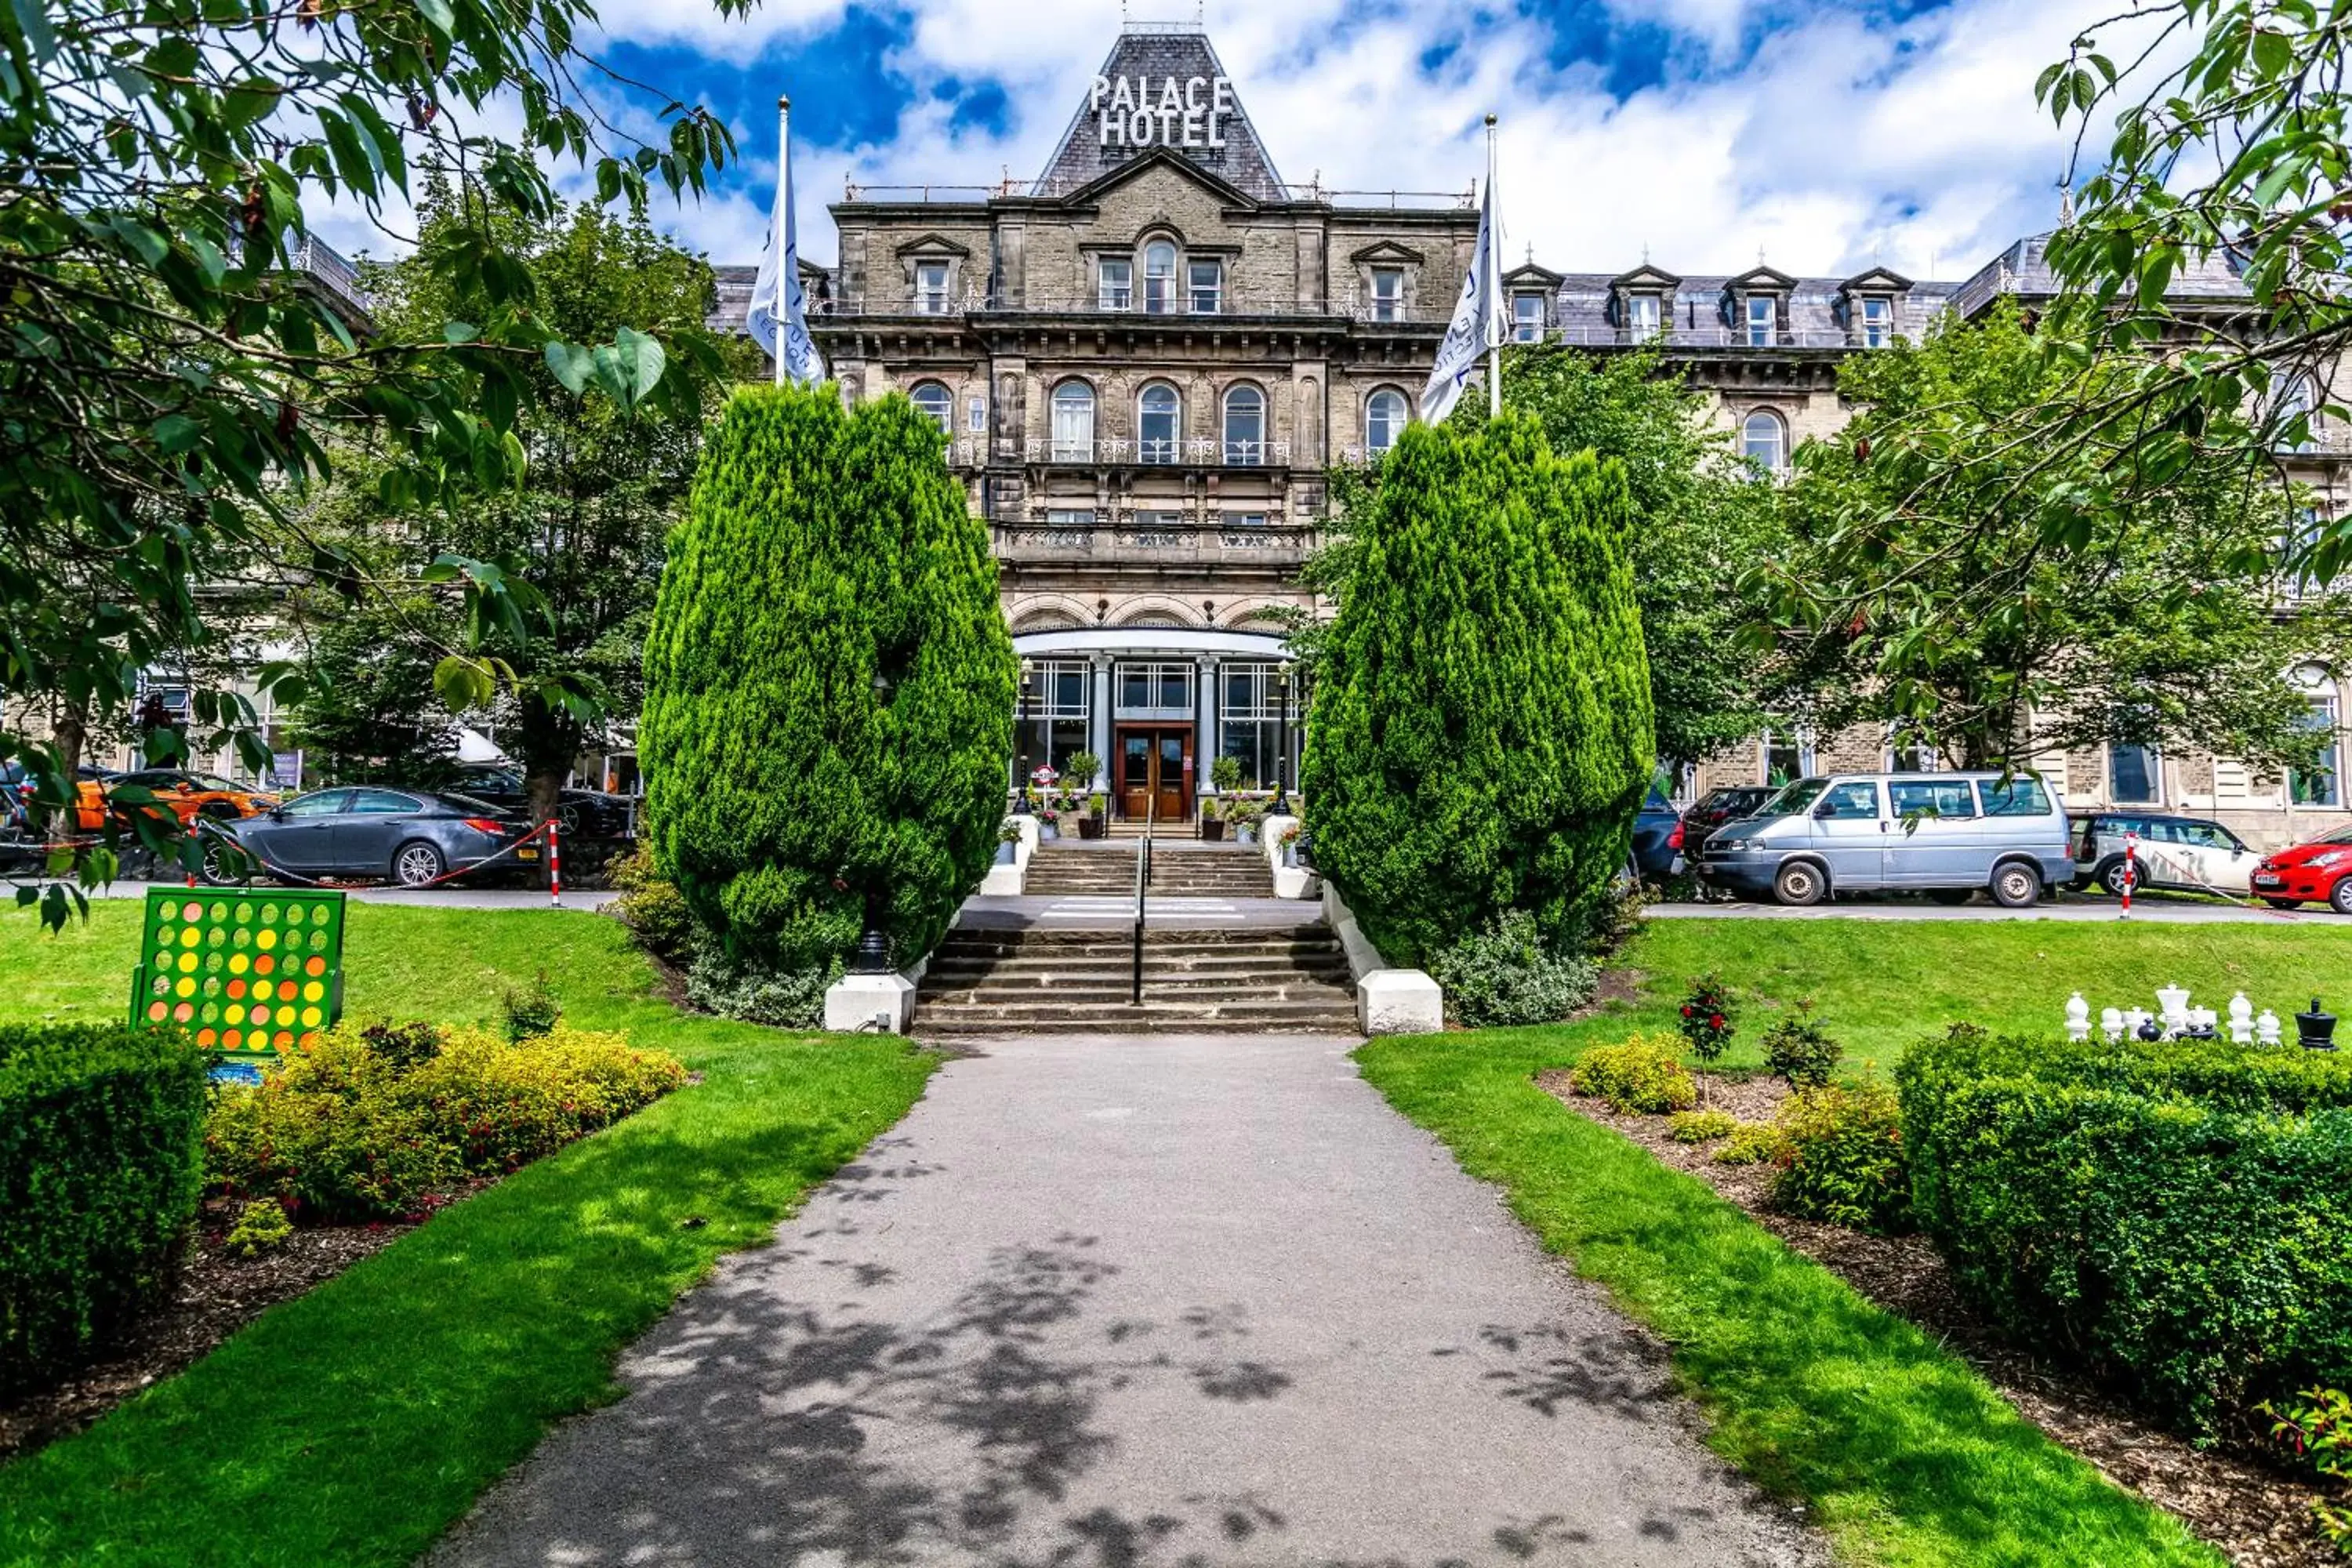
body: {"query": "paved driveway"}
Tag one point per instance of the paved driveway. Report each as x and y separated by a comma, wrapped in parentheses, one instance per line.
(1134, 1303)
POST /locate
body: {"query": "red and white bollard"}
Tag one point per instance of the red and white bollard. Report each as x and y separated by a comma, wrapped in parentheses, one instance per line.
(554, 864)
(2131, 870)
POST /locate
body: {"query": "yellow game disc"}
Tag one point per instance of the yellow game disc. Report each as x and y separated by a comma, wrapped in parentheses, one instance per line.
(239, 963)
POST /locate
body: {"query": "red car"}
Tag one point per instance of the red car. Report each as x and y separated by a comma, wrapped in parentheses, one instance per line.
(2318, 872)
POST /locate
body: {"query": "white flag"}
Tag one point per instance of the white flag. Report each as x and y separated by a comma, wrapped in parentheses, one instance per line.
(782, 267)
(1474, 324)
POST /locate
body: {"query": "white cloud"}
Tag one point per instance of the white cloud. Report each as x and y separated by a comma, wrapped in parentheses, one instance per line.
(1833, 145)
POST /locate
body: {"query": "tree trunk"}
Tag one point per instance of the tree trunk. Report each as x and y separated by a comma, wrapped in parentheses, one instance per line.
(69, 732)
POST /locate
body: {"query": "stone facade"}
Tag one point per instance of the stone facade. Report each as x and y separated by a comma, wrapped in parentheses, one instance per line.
(1148, 359)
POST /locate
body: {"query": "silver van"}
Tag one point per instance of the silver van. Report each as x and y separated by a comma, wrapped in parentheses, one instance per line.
(1945, 834)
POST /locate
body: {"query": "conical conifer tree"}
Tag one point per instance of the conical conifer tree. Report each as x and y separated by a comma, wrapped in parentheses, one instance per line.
(829, 684)
(1482, 732)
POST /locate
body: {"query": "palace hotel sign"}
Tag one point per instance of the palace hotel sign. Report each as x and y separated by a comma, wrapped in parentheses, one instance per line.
(1185, 112)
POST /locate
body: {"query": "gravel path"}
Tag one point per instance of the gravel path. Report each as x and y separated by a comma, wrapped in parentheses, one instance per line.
(1133, 1304)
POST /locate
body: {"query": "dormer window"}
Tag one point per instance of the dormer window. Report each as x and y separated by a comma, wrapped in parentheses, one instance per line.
(1877, 321)
(1115, 277)
(932, 288)
(1388, 293)
(1763, 316)
(1642, 316)
(1526, 317)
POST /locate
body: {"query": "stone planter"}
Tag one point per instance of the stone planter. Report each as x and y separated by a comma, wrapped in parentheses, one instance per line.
(1046, 830)
(1004, 851)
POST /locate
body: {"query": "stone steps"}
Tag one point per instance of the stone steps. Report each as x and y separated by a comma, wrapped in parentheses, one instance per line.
(1175, 874)
(985, 982)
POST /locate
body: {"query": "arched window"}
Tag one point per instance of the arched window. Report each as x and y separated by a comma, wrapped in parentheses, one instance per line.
(1073, 422)
(1245, 426)
(1161, 424)
(2297, 401)
(1764, 441)
(1159, 278)
(938, 403)
(1384, 419)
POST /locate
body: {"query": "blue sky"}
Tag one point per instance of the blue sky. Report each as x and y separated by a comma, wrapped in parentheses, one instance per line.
(1699, 132)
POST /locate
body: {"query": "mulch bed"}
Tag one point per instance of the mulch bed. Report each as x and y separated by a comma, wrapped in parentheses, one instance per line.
(214, 1296)
(2257, 1515)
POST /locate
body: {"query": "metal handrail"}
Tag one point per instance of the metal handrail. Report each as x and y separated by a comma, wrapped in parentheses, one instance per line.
(1143, 881)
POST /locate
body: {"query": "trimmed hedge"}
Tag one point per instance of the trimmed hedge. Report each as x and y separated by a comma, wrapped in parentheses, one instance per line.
(102, 1168)
(2180, 1215)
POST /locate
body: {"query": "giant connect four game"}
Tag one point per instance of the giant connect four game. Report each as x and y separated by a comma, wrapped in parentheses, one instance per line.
(248, 973)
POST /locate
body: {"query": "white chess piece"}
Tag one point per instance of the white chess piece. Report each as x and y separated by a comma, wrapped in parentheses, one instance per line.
(2111, 1024)
(2266, 1027)
(2078, 1019)
(2203, 1021)
(2242, 1020)
(2135, 1020)
(2172, 1008)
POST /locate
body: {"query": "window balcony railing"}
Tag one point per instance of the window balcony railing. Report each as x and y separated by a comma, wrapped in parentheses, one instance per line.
(1707, 335)
(1133, 304)
(1159, 452)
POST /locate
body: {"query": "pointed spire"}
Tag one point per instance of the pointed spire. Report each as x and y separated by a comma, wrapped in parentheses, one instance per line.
(2065, 206)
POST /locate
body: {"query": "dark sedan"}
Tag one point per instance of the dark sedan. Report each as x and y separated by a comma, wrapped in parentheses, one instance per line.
(590, 813)
(1720, 806)
(411, 838)
(1657, 837)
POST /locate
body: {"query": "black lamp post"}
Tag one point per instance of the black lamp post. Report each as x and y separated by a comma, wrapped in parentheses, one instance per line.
(1281, 805)
(1027, 669)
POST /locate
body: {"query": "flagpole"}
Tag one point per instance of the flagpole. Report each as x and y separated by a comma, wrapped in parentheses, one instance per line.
(784, 196)
(1494, 284)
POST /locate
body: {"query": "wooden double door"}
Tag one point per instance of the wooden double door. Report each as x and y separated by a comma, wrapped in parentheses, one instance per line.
(1154, 762)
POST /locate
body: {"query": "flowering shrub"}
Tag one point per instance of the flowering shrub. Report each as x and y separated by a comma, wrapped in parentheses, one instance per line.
(1703, 1126)
(1842, 1159)
(351, 1131)
(1645, 1074)
(1752, 1143)
(261, 1226)
(532, 1013)
(2318, 1428)
(651, 906)
(1706, 1017)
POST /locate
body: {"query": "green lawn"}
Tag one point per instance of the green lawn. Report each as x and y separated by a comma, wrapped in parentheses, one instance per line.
(353, 1425)
(1904, 1455)
(1880, 984)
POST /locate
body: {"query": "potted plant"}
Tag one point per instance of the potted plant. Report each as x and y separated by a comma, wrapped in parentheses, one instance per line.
(1288, 842)
(1008, 840)
(1099, 813)
(1245, 816)
(1225, 772)
(1085, 769)
(1213, 822)
(1049, 821)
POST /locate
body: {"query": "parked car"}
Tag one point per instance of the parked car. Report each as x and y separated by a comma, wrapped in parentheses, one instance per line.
(1720, 806)
(1945, 834)
(16, 798)
(2187, 853)
(1657, 836)
(592, 813)
(188, 795)
(2317, 872)
(408, 836)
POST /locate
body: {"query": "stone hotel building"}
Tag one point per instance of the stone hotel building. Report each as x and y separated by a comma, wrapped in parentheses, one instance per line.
(1148, 359)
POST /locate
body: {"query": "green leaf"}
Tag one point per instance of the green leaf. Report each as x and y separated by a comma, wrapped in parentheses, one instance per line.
(571, 365)
(643, 361)
(176, 433)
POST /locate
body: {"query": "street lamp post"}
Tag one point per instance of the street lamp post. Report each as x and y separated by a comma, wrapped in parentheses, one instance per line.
(1028, 670)
(1281, 806)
